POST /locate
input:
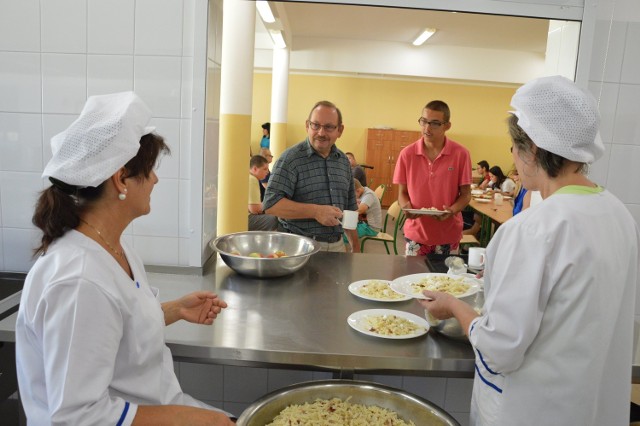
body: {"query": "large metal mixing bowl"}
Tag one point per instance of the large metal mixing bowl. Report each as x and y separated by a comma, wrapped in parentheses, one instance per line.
(451, 327)
(408, 406)
(297, 249)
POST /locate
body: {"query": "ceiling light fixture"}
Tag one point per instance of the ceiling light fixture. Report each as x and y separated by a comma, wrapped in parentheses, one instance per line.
(428, 32)
(278, 39)
(265, 11)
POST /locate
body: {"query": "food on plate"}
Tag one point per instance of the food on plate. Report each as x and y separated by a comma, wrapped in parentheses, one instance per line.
(429, 209)
(379, 290)
(391, 325)
(337, 412)
(453, 286)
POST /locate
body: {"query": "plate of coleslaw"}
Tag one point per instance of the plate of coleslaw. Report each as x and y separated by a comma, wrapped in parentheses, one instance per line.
(388, 323)
(376, 290)
(413, 285)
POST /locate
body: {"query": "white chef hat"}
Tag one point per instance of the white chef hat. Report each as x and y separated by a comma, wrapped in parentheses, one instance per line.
(103, 138)
(559, 117)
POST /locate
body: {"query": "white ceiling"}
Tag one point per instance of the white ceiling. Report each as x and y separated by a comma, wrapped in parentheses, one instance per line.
(384, 24)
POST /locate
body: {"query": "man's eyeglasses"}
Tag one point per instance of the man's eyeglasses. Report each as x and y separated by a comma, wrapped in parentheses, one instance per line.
(317, 126)
(434, 124)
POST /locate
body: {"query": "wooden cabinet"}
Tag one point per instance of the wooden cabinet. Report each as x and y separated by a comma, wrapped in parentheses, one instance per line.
(383, 147)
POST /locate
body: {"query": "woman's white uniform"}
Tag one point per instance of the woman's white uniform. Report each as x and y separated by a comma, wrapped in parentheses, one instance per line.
(554, 346)
(90, 340)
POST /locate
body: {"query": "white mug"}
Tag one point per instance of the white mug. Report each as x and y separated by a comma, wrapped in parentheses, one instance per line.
(476, 257)
(497, 199)
(349, 219)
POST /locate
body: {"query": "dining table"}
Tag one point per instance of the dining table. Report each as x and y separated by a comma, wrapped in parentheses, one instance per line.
(492, 216)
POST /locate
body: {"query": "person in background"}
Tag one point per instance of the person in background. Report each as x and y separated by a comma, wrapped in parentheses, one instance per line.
(258, 220)
(557, 279)
(266, 153)
(483, 171)
(311, 183)
(265, 142)
(434, 171)
(499, 182)
(357, 170)
(90, 343)
(369, 206)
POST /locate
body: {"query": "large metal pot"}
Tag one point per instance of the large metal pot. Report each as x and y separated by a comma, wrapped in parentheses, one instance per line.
(408, 406)
(451, 327)
(235, 248)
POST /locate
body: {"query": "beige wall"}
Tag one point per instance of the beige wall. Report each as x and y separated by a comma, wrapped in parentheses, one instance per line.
(478, 113)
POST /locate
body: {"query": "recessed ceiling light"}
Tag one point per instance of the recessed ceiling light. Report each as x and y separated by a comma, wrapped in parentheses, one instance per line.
(424, 36)
(265, 11)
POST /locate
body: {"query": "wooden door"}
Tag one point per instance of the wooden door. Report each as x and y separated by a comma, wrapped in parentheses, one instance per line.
(401, 139)
(379, 147)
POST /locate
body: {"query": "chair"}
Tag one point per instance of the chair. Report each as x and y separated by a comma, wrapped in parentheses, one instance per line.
(469, 241)
(393, 214)
(380, 190)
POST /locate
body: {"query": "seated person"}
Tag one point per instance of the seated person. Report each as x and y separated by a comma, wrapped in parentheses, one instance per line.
(499, 182)
(266, 153)
(475, 227)
(483, 171)
(369, 206)
(258, 220)
(356, 170)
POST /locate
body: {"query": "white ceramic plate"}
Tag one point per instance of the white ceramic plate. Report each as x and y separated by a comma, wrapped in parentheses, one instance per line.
(483, 200)
(477, 192)
(403, 284)
(355, 289)
(426, 212)
(359, 321)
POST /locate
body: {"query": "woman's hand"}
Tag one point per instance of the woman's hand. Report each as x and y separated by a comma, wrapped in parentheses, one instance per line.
(200, 307)
(439, 304)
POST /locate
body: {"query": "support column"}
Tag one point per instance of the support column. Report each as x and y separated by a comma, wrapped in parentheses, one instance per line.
(279, 101)
(236, 93)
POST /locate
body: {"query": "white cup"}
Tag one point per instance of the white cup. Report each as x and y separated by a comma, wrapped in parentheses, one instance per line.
(349, 219)
(476, 257)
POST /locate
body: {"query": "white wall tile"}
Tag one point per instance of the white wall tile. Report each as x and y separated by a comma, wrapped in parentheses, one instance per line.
(2, 268)
(20, 25)
(202, 381)
(111, 26)
(64, 83)
(430, 388)
(64, 26)
(109, 74)
(622, 171)
(187, 87)
(169, 129)
(235, 408)
(184, 212)
(17, 246)
(627, 125)
(19, 192)
(393, 381)
(608, 51)
(235, 383)
(157, 81)
(20, 142)
(462, 418)
(598, 171)
(185, 149)
(52, 124)
(20, 82)
(635, 212)
(458, 395)
(189, 8)
(631, 63)
(156, 250)
(158, 27)
(183, 254)
(607, 96)
(162, 221)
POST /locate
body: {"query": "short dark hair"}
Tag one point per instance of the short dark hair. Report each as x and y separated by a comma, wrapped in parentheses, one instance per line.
(549, 162)
(440, 106)
(328, 105)
(257, 161)
(267, 127)
(484, 164)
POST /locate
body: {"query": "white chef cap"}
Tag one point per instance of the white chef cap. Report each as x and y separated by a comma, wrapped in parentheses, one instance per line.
(102, 140)
(559, 117)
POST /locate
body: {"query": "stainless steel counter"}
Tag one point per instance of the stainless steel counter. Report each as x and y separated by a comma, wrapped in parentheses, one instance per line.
(300, 321)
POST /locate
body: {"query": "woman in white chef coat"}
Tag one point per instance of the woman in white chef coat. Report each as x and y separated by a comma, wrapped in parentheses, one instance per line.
(554, 343)
(89, 335)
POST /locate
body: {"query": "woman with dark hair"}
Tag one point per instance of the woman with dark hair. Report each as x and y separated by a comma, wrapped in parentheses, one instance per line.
(90, 331)
(554, 343)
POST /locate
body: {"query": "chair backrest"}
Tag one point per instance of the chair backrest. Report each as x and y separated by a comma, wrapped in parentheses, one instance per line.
(380, 190)
(394, 212)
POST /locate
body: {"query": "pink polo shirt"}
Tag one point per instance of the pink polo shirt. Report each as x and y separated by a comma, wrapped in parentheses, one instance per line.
(433, 184)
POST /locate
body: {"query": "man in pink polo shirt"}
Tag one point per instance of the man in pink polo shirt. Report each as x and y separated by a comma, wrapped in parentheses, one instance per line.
(434, 171)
